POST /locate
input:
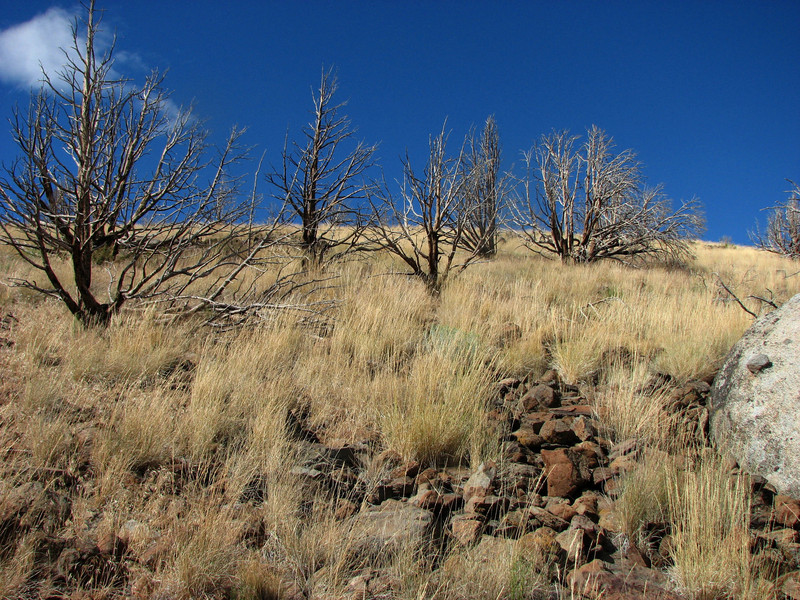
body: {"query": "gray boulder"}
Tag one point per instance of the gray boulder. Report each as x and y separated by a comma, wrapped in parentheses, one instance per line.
(379, 533)
(755, 399)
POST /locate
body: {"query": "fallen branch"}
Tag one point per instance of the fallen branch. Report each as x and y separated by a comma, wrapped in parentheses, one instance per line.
(734, 296)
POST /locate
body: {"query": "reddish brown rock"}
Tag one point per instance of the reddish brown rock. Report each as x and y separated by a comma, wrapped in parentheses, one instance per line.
(558, 431)
(598, 580)
(563, 477)
(787, 511)
(540, 396)
(466, 529)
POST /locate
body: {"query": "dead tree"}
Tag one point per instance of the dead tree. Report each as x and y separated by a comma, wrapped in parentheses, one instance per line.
(589, 203)
(782, 235)
(321, 180)
(483, 191)
(108, 170)
(424, 224)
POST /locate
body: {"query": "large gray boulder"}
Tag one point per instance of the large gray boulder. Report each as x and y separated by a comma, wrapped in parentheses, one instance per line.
(755, 399)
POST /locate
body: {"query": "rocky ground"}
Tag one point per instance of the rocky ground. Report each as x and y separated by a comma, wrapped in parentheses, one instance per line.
(552, 494)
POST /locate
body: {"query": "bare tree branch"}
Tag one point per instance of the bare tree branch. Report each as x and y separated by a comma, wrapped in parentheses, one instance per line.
(107, 171)
(589, 203)
(485, 190)
(424, 223)
(321, 181)
(783, 227)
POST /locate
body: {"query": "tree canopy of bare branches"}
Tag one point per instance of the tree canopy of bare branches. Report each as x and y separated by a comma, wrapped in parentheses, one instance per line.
(484, 190)
(321, 181)
(108, 169)
(587, 202)
(425, 223)
(782, 235)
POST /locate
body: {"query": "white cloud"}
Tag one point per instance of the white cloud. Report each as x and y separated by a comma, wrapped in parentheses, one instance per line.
(29, 47)
(39, 44)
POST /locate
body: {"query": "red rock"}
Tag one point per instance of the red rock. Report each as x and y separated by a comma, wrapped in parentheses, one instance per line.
(538, 397)
(787, 511)
(558, 431)
(561, 509)
(563, 477)
(789, 584)
(466, 530)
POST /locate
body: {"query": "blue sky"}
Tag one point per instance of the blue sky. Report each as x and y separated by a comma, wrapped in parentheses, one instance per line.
(707, 93)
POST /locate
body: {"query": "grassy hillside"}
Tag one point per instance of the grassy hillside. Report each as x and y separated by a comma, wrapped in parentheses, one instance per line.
(162, 459)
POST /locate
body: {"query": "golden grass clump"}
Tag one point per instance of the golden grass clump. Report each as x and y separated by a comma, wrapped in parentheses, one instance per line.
(710, 513)
(193, 443)
(436, 415)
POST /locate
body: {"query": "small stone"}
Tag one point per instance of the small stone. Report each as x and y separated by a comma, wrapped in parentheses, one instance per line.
(539, 397)
(787, 511)
(481, 482)
(758, 363)
(466, 530)
(558, 431)
(789, 584)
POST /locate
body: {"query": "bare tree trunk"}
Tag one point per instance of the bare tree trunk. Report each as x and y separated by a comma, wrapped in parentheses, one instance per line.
(169, 230)
(590, 204)
(320, 182)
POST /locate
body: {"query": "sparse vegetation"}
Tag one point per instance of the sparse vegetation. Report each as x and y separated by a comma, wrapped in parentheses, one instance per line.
(214, 461)
(782, 235)
(247, 426)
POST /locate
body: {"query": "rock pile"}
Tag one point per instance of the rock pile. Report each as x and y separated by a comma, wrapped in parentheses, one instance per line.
(549, 498)
(552, 495)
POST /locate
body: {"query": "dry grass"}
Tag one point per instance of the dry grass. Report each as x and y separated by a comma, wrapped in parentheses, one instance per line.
(166, 426)
(710, 512)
